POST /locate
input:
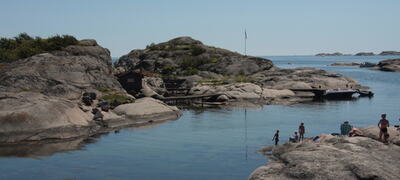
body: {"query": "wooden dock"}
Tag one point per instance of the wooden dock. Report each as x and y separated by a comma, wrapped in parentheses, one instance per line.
(190, 99)
(318, 93)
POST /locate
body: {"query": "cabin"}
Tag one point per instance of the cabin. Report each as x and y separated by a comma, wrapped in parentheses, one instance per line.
(131, 81)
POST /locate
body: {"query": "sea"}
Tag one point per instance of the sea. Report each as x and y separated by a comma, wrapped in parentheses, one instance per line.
(212, 143)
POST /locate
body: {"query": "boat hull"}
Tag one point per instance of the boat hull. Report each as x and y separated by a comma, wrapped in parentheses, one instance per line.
(346, 94)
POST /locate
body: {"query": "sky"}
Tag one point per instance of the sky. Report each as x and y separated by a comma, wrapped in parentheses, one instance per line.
(284, 27)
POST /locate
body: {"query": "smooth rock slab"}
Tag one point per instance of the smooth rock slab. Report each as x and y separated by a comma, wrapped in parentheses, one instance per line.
(145, 110)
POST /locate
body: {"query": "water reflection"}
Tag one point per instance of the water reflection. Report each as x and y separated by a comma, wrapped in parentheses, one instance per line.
(43, 148)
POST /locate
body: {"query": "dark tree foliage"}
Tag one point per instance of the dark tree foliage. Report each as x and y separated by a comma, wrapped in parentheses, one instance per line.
(23, 46)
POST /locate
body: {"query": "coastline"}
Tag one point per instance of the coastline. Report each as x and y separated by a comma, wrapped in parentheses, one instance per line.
(333, 157)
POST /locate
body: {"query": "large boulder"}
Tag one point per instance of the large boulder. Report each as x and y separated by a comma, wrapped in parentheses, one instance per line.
(373, 132)
(31, 116)
(147, 109)
(65, 74)
(156, 84)
(332, 158)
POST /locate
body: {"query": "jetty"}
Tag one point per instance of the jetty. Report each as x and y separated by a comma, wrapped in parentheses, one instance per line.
(192, 99)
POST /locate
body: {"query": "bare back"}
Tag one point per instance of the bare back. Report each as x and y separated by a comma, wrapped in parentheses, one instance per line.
(383, 123)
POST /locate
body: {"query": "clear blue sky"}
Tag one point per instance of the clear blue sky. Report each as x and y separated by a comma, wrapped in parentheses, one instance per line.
(284, 27)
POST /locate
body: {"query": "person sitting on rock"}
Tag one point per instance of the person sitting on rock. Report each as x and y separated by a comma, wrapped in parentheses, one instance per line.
(98, 117)
(276, 137)
(383, 126)
(294, 138)
(345, 128)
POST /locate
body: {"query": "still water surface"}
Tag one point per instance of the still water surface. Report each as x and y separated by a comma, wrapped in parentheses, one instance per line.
(215, 144)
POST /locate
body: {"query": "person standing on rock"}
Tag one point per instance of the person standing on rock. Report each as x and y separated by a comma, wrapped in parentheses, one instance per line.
(276, 137)
(302, 130)
(383, 126)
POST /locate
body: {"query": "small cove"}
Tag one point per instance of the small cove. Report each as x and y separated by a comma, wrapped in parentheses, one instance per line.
(216, 144)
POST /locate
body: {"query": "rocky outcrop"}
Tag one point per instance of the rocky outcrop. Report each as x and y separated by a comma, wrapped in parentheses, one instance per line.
(332, 158)
(304, 78)
(66, 74)
(346, 64)
(40, 96)
(208, 69)
(390, 65)
(389, 53)
(185, 56)
(240, 91)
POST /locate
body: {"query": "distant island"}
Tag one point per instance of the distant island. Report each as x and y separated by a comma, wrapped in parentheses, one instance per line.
(390, 53)
(365, 54)
(383, 53)
(330, 54)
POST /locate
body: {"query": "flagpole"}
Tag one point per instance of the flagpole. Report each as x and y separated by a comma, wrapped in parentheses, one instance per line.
(245, 42)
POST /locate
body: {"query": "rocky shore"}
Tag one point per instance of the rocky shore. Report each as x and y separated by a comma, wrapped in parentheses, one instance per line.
(333, 157)
(346, 64)
(41, 96)
(76, 92)
(390, 65)
(210, 70)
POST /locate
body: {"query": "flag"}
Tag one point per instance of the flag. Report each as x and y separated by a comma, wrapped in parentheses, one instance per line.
(245, 34)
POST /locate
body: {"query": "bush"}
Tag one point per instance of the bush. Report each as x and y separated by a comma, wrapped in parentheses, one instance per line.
(168, 69)
(104, 90)
(193, 62)
(116, 98)
(214, 60)
(196, 50)
(23, 46)
(191, 71)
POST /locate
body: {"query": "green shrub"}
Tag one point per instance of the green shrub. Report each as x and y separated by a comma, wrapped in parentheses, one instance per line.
(197, 50)
(23, 46)
(116, 97)
(193, 62)
(214, 60)
(153, 47)
(104, 90)
(191, 71)
(168, 69)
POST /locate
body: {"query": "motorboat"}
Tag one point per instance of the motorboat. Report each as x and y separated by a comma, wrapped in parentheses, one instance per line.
(339, 93)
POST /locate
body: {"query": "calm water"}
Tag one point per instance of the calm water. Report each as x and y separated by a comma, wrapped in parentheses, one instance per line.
(215, 144)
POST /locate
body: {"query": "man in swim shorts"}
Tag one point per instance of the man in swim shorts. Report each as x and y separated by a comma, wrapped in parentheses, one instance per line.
(383, 126)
